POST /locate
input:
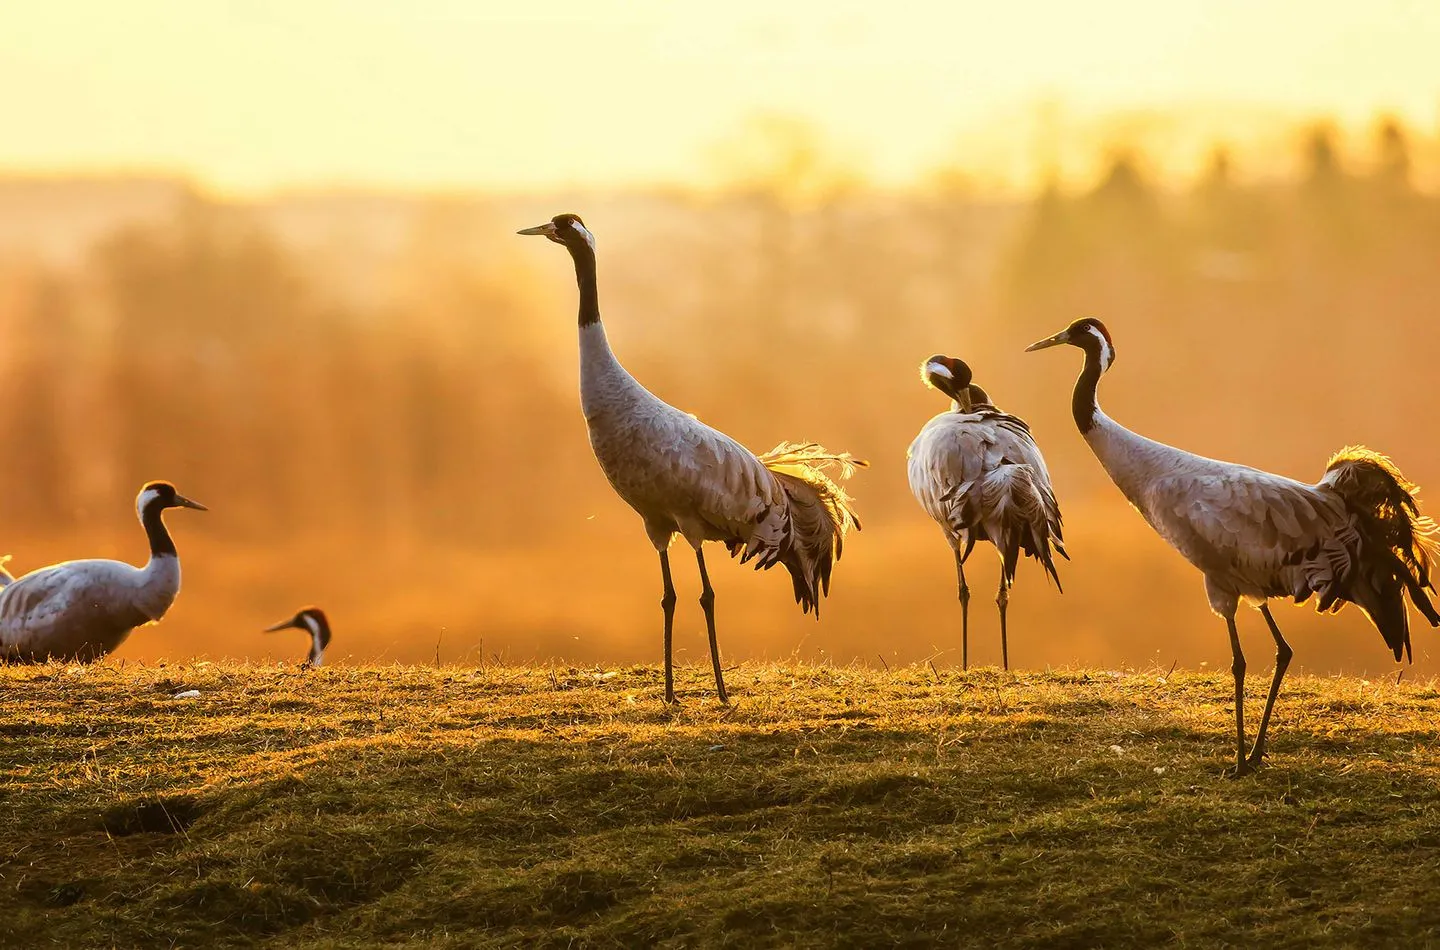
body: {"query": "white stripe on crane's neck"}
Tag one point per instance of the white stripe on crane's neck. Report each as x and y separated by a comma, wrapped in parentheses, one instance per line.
(585, 233)
(141, 503)
(1107, 352)
(317, 647)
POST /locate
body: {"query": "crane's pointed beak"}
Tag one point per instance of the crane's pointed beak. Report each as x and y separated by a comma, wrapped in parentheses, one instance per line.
(1062, 337)
(184, 502)
(547, 229)
(282, 625)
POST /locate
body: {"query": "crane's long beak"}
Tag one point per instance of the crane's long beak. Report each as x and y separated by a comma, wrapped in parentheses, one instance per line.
(547, 229)
(1062, 337)
(282, 625)
(184, 502)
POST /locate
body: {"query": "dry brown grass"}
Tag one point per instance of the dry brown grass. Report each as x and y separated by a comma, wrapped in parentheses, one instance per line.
(511, 806)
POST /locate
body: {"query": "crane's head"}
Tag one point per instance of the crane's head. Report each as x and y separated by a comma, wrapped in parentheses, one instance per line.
(157, 496)
(565, 229)
(313, 621)
(950, 376)
(1087, 333)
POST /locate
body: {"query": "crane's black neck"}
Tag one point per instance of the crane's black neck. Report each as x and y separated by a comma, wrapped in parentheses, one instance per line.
(1084, 404)
(319, 636)
(322, 629)
(161, 544)
(584, 257)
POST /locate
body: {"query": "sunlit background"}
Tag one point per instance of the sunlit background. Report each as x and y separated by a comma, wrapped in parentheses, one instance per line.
(266, 250)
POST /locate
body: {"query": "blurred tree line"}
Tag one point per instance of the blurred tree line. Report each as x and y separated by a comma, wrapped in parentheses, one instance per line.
(424, 397)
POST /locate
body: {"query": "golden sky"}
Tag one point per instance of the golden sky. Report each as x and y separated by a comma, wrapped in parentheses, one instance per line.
(250, 95)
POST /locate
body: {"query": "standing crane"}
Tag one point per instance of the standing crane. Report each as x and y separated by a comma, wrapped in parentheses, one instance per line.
(78, 611)
(978, 472)
(314, 622)
(683, 477)
(1355, 537)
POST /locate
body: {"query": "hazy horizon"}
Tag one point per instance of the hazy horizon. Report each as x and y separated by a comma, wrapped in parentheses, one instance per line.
(450, 96)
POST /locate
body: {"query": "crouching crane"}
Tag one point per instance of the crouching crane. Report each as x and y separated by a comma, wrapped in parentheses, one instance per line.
(683, 477)
(1355, 537)
(78, 611)
(314, 622)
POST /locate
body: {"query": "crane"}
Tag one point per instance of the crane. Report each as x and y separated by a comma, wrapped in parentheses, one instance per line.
(684, 477)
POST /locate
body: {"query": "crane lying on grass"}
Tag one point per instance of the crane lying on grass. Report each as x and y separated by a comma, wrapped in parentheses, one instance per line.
(681, 476)
(314, 622)
(1355, 537)
(78, 611)
(978, 472)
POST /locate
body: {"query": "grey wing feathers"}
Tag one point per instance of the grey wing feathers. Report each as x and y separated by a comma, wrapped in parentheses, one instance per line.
(1356, 537)
(982, 477)
(1016, 510)
(808, 536)
(1392, 548)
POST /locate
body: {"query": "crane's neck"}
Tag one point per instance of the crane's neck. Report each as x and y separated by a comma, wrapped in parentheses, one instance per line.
(160, 578)
(319, 637)
(584, 256)
(1084, 401)
(605, 387)
(161, 544)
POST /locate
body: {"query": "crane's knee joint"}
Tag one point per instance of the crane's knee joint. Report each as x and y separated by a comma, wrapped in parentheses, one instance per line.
(1238, 667)
(668, 601)
(964, 594)
(707, 599)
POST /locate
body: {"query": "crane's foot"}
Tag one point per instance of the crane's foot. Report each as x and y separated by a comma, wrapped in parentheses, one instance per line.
(1239, 770)
(1256, 759)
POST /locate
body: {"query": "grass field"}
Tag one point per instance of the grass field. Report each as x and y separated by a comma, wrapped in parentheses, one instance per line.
(505, 806)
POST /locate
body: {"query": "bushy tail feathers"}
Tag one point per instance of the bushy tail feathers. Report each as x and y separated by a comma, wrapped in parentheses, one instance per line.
(1018, 512)
(1396, 544)
(820, 514)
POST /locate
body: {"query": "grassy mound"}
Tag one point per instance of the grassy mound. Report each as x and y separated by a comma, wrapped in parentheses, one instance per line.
(530, 807)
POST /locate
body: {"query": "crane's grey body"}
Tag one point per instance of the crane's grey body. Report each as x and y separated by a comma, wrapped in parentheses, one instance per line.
(991, 453)
(1253, 534)
(683, 477)
(978, 473)
(1356, 536)
(679, 474)
(79, 611)
(82, 610)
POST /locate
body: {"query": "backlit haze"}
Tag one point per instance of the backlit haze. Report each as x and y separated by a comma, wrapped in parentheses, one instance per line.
(254, 96)
(266, 250)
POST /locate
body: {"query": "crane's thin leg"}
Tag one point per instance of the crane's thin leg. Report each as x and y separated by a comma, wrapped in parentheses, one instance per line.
(707, 601)
(964, 613)
(1238, 668)
(667, 603)
(1002, 600)
(1283, 653)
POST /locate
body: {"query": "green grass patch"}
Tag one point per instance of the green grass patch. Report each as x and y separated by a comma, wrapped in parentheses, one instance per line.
(522, 807)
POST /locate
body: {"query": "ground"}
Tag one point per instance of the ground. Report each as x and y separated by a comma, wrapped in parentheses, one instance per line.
(506, 806)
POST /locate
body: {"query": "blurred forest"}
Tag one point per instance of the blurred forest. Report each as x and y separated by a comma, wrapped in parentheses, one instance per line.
(375, 395)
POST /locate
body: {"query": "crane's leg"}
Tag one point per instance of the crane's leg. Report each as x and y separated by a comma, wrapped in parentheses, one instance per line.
(667, 604)
(1002, 600)
(1283, 653)
(964, 612)
(1238, 668)
(707, 602)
